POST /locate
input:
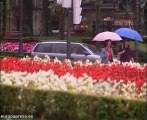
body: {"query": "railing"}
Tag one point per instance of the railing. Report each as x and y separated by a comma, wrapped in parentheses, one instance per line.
(14, 37)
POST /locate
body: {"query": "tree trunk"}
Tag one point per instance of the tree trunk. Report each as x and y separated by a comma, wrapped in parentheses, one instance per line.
(62, 24)
(4, 17)
(1, 20)
(47, 15)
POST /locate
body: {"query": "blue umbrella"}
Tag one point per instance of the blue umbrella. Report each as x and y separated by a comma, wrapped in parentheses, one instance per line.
(129, 33)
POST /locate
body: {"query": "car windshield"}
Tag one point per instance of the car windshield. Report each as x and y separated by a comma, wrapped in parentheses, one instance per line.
(91, 47)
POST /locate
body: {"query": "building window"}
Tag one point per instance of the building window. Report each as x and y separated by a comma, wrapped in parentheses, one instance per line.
(14, 3)
(124, 5)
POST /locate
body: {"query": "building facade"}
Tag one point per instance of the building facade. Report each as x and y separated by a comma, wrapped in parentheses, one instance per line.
(112, 14)
(32, 16)
(107, 14)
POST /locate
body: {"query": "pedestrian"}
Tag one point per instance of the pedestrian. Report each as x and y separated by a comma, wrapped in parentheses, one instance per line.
(107, 52)
(125, 54)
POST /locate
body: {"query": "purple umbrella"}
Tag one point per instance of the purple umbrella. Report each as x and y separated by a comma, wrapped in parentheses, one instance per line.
(107, 36)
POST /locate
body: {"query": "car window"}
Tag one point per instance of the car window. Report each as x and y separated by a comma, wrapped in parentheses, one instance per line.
(59, 48)
(78, 49)
(44, 47)
(74, 49)
(91, 47)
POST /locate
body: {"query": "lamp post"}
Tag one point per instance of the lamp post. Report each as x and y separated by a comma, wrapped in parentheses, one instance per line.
(71, 5)
(68, 34)
(20, 30)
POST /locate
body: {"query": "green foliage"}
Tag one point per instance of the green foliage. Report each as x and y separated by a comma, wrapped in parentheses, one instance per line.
(143, 57)
(57, 105)
(144, 39)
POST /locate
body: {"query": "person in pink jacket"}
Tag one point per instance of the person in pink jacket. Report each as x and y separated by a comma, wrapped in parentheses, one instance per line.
(107, 52)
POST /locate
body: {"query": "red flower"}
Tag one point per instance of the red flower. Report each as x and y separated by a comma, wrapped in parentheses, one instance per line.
(97, 72)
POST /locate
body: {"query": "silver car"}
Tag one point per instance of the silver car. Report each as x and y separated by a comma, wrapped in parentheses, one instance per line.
(58, 49)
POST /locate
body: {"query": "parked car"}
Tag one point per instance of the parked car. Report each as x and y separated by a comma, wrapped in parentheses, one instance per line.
(79, 51)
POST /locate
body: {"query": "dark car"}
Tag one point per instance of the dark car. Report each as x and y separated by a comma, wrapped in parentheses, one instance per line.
(58, 49)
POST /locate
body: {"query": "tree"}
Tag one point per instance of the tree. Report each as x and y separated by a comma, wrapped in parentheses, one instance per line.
(57, 10)
(47, 15)
(4, 10)
(97, 15)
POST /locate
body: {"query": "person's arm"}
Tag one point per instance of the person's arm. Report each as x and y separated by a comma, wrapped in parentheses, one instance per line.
(132, 59)
(112, 54)
(103, 54)
(131, 55)
(121, 50)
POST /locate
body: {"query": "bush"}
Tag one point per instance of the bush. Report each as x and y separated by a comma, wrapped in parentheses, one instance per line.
(56, 105)
(145, 39)
(142, 57)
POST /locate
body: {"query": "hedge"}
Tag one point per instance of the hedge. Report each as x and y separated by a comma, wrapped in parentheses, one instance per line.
(57, 105)
(12, 54)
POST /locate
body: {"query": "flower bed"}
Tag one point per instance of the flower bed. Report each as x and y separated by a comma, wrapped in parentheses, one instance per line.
(14, 46)
(127, 80)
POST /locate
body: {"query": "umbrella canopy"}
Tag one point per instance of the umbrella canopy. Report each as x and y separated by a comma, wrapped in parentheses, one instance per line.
(107, 36)
(129, 33)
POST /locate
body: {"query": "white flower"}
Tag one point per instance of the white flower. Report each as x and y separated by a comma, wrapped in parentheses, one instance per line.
(57, 61)
(19, 97)
(87, 63)
(7, 81)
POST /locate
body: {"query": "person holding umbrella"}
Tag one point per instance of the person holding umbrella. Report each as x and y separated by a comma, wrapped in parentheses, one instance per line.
(130, 34)
(125, 54)
(106, 53)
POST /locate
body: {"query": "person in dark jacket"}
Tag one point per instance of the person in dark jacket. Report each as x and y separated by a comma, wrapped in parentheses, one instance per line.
(125, 54)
